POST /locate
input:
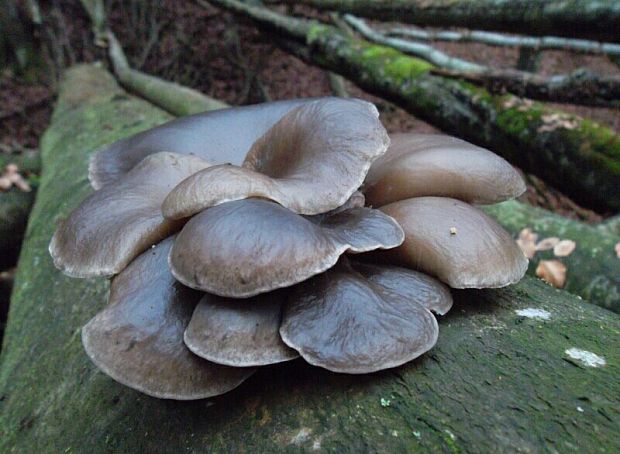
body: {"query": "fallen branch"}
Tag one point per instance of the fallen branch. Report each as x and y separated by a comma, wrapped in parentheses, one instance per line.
(591, 19)
(474, 389)
(498, 39)
(424, 51)
(593, 269)
(578, 156)
(581, 87)
(173, 97)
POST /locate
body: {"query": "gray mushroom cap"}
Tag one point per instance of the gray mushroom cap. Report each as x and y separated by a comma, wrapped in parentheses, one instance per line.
(115, 224)
(311, 161)
(239, 333)
(456, 242)
(221, 136)
(417, 165)
(138, 338)
(243, 248)
(349, 322)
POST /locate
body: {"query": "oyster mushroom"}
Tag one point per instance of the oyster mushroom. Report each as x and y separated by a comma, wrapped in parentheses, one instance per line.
(353, 319)
(138, 338)
(239, 333)
(417, 165)
(456, 242)
(243, 248)
(221, 136)
(311, 161)
(115, 224)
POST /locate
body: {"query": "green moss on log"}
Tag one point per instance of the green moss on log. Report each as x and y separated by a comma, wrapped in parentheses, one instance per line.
(593, 269)
(496, 381)
(578, 156)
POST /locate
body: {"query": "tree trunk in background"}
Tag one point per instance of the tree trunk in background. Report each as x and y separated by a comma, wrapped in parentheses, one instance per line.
(593, 267)
(497, 379)
(592, 19)
(576, 155)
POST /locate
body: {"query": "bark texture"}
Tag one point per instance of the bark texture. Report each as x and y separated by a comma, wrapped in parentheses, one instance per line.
(593, 269)
(574, 18)
(576, 155)
(497, 380)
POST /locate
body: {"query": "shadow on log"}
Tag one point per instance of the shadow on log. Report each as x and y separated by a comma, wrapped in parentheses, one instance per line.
(497, 379)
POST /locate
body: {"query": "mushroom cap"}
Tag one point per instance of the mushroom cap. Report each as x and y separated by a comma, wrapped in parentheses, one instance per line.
(345, 322)
(311, 161)
(243, 248)
(115, 224)
(456, 242)
(220, 136)
(239, 333)
(138, 338)
(417, 165)
(408, 285)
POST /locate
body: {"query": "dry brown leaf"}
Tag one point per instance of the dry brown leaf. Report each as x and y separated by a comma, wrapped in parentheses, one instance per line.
(547, 243)
(553, 272)
(564, 248)
(527, 242)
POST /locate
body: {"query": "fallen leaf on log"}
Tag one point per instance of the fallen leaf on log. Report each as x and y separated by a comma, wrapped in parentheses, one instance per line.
(552, 272)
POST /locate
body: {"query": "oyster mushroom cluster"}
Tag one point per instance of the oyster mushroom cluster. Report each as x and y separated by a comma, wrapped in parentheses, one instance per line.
(245, 237)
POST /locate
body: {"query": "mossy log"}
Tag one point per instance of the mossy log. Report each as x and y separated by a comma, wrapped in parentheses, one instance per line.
(498, 379)
(574, 18)
(576, 155)
(593, 269)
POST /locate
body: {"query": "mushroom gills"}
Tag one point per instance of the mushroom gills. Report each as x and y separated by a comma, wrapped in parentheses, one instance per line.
(138, 338)
(348, 322)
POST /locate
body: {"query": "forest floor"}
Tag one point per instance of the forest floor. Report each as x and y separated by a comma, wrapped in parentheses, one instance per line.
(211, 51)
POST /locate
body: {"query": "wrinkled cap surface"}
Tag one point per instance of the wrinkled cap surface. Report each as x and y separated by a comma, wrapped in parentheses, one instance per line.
(417, 165)
(456, 242)
(237, 332)
(138, 338)
(243, 248)
(310, 162)
(345, 322)
(220, 136)
(115, 224)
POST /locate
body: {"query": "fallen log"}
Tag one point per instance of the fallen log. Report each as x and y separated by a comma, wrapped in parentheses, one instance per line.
(520, 366)
(578, 156)
(573, 18)
(593, 269)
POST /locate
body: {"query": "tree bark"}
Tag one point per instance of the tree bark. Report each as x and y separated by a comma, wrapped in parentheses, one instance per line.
(593, 269)
(576, 155)
(497, 379)
(574, 18)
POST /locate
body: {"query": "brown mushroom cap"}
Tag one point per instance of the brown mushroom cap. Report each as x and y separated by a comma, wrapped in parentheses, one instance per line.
(345, 322)
(417, 165)
(138, 338)
(311, 161)
(219, 137)
(456, 242)
(115, 224)
(243, 248)
(239, 333)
